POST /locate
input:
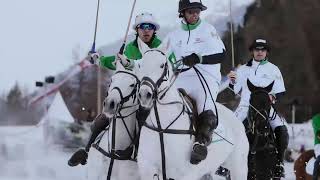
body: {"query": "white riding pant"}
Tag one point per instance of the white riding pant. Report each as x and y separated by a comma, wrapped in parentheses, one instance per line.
(242, 113)
(192, 85)
(317, 150)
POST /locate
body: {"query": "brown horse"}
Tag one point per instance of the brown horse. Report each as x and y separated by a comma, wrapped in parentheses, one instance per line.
(300, 166)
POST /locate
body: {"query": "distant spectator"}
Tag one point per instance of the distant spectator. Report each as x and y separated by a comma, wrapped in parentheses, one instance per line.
(316, 130)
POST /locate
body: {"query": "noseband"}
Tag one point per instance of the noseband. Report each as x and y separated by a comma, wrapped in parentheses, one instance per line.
(133, 93)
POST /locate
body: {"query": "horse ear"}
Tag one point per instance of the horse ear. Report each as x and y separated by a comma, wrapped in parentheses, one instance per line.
(269, 87)
(119, 66)
(251, 86)
(164, 47)
(143, 47)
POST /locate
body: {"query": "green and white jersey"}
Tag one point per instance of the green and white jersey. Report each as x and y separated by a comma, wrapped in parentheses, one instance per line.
(201, 39)
(131, 51)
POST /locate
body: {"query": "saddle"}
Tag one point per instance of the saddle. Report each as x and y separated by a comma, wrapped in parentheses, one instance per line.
(191, 107)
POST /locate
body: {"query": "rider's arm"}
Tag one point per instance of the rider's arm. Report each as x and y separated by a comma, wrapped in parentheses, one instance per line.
(108, 62)
(240, 80)
(278, 89)
(214, 52)
(214, 58)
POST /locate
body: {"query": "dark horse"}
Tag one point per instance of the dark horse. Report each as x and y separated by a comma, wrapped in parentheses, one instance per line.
(262, 155)
(300, 166)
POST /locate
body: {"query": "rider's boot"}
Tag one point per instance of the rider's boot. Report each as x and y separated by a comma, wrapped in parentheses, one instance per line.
(282, 140)
(80, 156)
(207, 122)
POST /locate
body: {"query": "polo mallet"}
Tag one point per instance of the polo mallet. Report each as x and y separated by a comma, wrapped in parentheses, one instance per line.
(128, 26)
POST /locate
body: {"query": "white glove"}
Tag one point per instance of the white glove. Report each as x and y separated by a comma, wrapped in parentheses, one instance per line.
(272, 98)
(123, 59)
(232, 76)
(93, 58)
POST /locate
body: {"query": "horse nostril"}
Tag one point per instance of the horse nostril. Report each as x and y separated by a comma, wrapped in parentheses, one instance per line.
(104, 103)
(112, 105)
(149, 95)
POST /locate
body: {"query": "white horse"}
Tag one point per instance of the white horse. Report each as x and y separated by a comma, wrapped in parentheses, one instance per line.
(120, 107)
(165, 140)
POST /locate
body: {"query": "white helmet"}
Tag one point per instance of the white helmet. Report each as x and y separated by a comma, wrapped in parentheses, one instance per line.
(145, 17)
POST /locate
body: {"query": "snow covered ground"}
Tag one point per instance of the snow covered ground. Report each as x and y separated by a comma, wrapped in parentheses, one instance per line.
(24, 155)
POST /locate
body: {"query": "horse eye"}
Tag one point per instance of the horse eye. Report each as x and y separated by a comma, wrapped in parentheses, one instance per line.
(131, 85)
(162, 65)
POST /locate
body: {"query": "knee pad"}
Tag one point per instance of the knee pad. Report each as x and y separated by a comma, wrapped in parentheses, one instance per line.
(100, 123)
(207, 119)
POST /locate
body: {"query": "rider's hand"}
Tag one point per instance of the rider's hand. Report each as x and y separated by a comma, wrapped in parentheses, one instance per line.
(191, 60)
(123, 59)
(93, 57)
(272, 98)
(232, 76)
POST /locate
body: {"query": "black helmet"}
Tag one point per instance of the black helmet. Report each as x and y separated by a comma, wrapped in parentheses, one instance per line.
(259, 44)
(187, 4)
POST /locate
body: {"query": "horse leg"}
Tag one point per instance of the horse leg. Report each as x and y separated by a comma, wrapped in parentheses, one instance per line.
(97, 165)
(237, 161)
(252, 167)
(129, 170)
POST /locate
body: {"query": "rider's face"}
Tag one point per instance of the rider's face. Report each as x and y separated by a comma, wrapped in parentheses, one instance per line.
(259, 54)
(192, 15)
(145, 34)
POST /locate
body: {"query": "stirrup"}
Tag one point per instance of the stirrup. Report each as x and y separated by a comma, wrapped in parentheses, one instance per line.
(199, 153)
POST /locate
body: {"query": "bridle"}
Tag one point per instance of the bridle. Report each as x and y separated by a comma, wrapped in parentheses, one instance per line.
(133, 93)
(255, 125)
(154, 86)
(264, 111)
(156, 97)
(130, 153)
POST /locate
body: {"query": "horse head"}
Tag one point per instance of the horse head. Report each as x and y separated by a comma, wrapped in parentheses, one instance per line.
(123, 88)
(260, 105)
(155, 73)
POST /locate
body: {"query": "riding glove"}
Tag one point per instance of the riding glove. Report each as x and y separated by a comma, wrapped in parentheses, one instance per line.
(124, 60)
(191, 60)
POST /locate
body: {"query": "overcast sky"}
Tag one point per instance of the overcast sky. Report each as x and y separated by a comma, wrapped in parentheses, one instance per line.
(37, 37)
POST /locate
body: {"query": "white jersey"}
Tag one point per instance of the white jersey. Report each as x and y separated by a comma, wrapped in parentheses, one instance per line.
(261, 74)
(203, 40)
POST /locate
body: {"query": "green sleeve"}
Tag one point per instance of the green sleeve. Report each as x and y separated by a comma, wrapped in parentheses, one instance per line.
(107, 62)
(316, 127)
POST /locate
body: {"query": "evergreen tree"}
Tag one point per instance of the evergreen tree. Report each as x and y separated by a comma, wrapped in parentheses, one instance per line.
(15, 98)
